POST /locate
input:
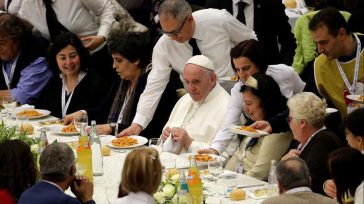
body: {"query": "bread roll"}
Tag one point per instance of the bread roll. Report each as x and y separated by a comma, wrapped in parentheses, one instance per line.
(27, 128)
(290, 4)
(237, 194)
(105, 150)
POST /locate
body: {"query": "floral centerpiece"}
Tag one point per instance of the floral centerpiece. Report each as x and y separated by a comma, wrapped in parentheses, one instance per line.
(11, 133)
(167, 190)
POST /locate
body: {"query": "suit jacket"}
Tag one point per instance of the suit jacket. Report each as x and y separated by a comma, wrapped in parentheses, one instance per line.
(45, 193)
(300, 198)
(270, 24)
(316, 155)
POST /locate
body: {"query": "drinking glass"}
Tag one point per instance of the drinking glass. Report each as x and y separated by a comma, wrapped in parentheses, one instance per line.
(156, 143)
(80, 119)
(215, 168)
(9, 104)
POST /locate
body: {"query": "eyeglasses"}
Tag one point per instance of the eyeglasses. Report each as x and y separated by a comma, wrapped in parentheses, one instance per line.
(176, 32)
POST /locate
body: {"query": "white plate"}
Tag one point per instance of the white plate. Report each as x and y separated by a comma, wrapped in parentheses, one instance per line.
(228, 79)
(187, 156)
(236, 129)
(355, 98)
(141, 141)
(330, 110)
(42, 111)
(58, 131)
(251, 192)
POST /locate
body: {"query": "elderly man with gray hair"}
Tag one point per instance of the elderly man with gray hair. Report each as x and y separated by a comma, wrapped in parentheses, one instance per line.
(58, 168)
(307, 114)
(208, 32)
(195, 118)
(294, 181)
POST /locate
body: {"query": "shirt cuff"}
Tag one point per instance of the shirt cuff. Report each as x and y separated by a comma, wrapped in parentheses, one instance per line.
(217, 147)
(140, 120)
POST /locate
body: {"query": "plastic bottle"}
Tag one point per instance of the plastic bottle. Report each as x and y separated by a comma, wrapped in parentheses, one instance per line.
(183, 197)
(43, 140)
(272, 180)
(194, 182)
(97, 163)
(84, 153)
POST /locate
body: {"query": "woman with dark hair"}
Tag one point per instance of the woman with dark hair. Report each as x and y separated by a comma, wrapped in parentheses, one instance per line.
(347, 166)
(24, 68)
(262, 99)
(131, 62)
(18, 170)
(248, 58)
(73, 86)
(354, 132)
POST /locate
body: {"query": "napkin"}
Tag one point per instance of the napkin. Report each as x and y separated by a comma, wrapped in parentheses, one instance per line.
(172, 146)
(23, 107)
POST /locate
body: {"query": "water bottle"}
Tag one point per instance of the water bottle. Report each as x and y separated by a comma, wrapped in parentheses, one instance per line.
(43, 140)
(97, 162)
(272, 180)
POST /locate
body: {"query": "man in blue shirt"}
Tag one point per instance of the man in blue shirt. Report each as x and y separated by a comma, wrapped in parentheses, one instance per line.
(24, 70)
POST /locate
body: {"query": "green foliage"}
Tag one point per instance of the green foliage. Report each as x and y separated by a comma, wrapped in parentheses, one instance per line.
(7, 133)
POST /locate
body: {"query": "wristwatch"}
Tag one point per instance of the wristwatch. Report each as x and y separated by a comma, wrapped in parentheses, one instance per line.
(113, 127)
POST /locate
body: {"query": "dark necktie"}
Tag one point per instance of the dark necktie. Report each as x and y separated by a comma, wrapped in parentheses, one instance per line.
(54, 26)
(241, 15)
(7, 6)
(195, 49)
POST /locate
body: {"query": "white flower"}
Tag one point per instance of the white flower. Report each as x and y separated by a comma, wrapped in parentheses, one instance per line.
(34, 148)
(168, 190)
(159, 196)
(175, 178)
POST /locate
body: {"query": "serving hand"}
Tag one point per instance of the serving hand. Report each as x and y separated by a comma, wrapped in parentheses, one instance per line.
(208, 151)
(262, 125)
(133, 129)
(92, 42)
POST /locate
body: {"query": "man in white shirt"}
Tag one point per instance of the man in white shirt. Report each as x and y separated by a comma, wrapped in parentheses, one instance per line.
(215, 32)
(294, 182)
(195, 118)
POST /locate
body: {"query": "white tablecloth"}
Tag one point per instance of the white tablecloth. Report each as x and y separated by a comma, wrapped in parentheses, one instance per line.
(106, 186)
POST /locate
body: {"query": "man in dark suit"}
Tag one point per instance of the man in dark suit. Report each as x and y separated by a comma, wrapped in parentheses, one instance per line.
(294, 181)
(270, 23)
(57, 169)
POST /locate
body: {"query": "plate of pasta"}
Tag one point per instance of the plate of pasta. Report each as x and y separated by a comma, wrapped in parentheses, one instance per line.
(69, 130)
(356, 98)
(201, 159)
(247, 131)
(125, 142)
(31, 113)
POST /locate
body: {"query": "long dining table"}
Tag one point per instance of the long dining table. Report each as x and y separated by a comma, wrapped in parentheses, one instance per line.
(106, 186)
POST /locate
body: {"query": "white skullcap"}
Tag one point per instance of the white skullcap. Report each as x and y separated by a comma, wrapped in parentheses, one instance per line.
(202, 61)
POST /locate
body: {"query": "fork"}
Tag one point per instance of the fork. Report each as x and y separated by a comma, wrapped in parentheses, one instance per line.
(347, 198)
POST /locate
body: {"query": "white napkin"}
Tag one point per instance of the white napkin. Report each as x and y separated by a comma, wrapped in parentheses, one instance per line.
(23, 107)
(174, 147)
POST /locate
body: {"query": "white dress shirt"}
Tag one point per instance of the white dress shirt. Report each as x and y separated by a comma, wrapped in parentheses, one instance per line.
(201, 121)
(216, 32)
(13, 7)
(248, 12)
(78, 16)
(136, 198)
(289, 83)
(359, 194)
